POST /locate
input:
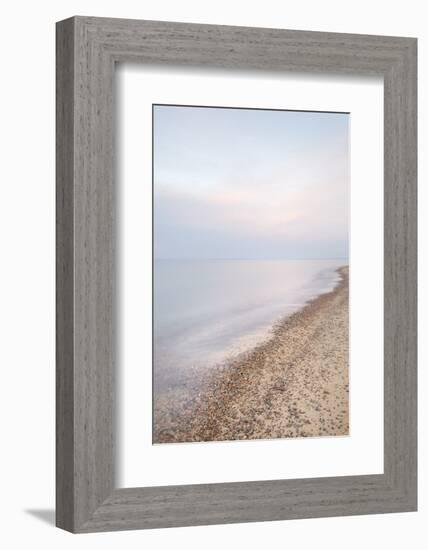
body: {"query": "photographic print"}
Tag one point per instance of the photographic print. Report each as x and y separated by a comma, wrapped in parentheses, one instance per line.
(250, 274)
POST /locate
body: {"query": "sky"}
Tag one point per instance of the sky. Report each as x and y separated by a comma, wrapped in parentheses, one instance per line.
(250, 184)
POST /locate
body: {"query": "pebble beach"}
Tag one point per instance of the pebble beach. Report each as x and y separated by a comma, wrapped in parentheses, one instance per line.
(295, 384)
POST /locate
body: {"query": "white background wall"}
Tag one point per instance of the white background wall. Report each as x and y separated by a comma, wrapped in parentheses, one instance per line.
(27, 271)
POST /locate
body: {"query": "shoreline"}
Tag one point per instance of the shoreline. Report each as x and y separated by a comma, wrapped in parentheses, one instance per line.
(294, 384)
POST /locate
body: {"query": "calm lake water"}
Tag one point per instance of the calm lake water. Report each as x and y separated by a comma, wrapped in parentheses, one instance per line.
(208, 311)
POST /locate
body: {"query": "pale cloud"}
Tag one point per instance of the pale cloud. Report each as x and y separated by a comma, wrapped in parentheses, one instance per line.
(233, 204)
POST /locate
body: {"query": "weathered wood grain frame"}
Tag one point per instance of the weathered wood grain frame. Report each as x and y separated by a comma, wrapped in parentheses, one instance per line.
(87, 50)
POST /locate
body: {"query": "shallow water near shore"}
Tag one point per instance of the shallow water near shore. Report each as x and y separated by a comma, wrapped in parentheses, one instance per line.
(206, 312)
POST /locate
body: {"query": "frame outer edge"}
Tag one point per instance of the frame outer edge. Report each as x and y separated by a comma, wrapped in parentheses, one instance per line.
(401, 276)
(94, 274)
(409, 264)
(65, 108)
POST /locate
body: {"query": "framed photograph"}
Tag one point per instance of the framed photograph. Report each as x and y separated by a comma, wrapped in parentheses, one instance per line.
(238, 251)
(236, 274)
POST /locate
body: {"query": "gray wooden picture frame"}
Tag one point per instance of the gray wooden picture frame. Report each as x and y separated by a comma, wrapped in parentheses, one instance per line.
(87, 50)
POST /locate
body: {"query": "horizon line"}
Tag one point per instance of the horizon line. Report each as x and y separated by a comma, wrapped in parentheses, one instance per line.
(259, 259)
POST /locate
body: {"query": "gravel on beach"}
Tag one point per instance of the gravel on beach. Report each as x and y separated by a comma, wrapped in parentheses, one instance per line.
(296, 384)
